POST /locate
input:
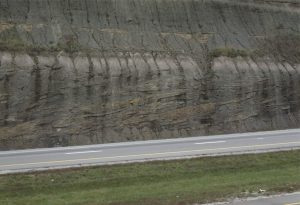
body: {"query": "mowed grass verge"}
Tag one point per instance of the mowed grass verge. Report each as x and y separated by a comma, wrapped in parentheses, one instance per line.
(168, 182)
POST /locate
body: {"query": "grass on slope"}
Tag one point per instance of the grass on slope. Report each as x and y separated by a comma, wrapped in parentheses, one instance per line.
(169, 182)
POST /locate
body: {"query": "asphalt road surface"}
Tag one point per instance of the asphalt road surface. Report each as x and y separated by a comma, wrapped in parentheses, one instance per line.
(286, 199)
(62, 157)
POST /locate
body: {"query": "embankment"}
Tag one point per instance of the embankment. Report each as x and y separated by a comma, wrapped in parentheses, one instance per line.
(96, 71)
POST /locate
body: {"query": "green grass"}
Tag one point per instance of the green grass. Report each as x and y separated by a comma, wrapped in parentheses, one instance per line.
(227, 52)
(170, 182)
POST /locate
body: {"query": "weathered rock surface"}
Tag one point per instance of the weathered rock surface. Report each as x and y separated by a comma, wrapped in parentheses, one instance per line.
(96, 71)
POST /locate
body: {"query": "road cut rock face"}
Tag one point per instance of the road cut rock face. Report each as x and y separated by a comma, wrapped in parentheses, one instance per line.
(76, 72)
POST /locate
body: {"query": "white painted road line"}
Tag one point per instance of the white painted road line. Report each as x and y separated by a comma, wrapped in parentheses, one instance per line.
(214, 142)
(84, 152)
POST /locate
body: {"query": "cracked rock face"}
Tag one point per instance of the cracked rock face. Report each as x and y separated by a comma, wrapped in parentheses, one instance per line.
(96, 71)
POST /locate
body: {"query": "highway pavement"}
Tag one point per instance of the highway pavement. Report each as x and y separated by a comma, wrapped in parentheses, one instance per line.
(116, 153)
(285, 199)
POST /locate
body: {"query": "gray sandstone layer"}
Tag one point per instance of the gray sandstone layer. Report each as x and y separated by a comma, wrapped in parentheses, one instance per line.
(78, 72)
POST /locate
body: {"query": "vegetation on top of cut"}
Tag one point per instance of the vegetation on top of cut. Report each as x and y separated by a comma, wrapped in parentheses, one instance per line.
(282, 48)
(19, 46)
(177, 182)
(11, 41)
(227, 52)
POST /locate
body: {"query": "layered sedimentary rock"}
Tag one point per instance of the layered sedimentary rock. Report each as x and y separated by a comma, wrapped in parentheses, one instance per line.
(96, 71)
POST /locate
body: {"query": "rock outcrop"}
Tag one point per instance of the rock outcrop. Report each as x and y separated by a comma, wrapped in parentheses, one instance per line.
(96, 71)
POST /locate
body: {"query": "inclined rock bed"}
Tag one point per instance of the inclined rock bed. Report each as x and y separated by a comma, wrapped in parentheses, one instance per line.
(96, 71)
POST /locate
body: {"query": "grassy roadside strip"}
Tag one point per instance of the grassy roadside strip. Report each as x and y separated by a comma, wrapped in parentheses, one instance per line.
(168, 182)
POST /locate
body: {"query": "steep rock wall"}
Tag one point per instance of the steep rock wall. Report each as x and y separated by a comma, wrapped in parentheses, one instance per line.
(96, 71)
